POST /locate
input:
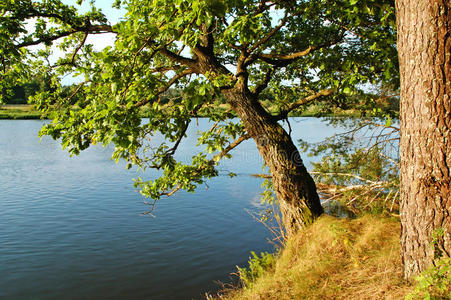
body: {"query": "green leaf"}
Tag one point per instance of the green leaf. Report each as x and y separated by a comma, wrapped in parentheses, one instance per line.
(388, 122)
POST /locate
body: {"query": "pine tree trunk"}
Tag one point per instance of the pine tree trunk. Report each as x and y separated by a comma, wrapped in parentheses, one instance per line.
(424, 45)
(295, 189)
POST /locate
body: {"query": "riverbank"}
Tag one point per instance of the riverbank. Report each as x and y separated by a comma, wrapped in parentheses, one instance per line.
(332, 259)
(27, 111)
(19, 112)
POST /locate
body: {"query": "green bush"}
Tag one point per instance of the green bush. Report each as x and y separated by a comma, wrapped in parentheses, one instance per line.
(434, 283)
(257, 266)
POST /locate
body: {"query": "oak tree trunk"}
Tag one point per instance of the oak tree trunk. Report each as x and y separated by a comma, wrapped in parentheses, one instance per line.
(424, 45)
(295, 189)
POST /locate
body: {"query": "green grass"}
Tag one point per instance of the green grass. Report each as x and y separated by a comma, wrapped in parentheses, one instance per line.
(19, 111)
(334, 259)
(26, 111)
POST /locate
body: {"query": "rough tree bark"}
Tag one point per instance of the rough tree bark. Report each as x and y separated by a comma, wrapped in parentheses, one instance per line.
(295, 189)
(424, 46)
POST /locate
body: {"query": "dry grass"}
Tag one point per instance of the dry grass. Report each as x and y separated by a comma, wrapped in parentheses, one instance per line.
(335, 259)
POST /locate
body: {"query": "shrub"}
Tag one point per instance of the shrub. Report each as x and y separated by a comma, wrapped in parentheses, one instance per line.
(257, 266)
(435, 282)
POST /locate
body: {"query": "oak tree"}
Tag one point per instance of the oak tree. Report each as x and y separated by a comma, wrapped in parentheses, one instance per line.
(214, 53)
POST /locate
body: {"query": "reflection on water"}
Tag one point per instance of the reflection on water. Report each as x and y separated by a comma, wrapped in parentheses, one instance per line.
(71, 227)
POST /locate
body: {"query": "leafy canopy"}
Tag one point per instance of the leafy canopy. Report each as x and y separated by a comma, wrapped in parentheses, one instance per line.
(290, 52)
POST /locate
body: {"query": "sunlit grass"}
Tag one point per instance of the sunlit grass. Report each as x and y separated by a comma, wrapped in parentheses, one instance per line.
(19, 111)
(335, 259)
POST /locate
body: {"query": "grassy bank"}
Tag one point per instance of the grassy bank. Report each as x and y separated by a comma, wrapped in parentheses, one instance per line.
(333, 259)
(19, 111)
(26, 111)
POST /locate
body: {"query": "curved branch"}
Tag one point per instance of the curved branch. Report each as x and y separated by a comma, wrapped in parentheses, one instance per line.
(283, 60)
(83, 41)
(178, 58)
(284, 113)
(34, 13)
(212, 161)
(91, 29)
(74, 54)
(264, 84)
(169, 194)
(231, 146)
(47, 39)
(269, 35)
(172, 150)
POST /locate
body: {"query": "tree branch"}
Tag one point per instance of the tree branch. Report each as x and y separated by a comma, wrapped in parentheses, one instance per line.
(83, 41)
(167, 86)
(169, 194)
(264, 84)
(76, 91)
(47, 39)
(191, 63)
(91, 29)
(269, 35)
(172, 150)
(284, 113)
(212, 161)
(262, 6)
(372, 182)
(282, 60)
(74, 54)
(231, 146)
(208, 38)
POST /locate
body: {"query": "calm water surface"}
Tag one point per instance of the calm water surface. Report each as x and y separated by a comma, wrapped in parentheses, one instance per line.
(70, 228)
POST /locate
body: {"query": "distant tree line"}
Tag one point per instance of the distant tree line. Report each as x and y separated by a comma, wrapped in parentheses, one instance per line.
(20, 93)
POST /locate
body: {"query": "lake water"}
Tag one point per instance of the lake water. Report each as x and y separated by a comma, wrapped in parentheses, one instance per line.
(70, 228)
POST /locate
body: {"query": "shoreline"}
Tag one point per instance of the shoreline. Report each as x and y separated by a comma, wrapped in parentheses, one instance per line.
(27, 112)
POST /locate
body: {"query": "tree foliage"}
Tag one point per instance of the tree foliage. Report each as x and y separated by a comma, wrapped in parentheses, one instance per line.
(299, 52)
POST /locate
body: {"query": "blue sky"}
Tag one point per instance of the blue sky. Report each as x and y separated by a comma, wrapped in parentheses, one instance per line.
(112, 14)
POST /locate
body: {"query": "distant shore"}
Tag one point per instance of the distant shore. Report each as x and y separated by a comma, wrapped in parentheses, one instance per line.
(27, 112)
(19, 111)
